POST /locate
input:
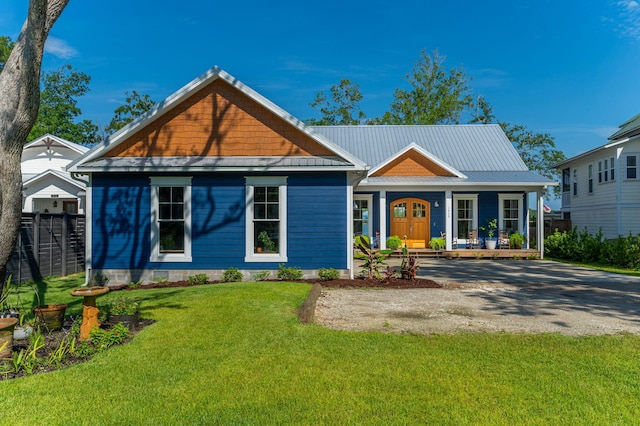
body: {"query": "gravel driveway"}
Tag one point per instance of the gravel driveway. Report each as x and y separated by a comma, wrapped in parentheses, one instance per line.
(510, 296)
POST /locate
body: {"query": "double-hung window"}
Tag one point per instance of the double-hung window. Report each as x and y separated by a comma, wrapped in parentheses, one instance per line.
(465, 215)
(612, 169)
(590, 180)
(599, 171)
(631, 163)
(510, 217)
(171, 219)
(575, 182)
(266, 219)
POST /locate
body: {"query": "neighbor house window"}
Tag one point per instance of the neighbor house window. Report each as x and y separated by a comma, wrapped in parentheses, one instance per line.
(606, 170)
(465, 215)
(599, 171)
(566, 180)
(632, 166)
(171, 219)
(575, 181)
(590, 181)
(612, 170)
(510, 215)
(266, 225)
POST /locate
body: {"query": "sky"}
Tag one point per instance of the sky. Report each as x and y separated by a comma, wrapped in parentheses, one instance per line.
(564, 67)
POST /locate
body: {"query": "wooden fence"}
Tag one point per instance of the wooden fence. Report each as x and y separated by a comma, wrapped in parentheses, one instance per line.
(48, 244)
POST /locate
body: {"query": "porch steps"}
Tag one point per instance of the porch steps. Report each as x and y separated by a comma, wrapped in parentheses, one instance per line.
(467, 253)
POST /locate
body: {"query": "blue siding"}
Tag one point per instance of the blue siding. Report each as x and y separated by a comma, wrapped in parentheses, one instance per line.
(120, 216)
(317, 222)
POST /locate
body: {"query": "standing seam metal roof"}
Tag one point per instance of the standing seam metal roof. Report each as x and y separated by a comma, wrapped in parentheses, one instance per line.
(472, 147)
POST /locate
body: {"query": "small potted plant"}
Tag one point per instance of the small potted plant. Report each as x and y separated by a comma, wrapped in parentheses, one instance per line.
(490, 228)
(267, 243)
(517, 240)
(125, 310)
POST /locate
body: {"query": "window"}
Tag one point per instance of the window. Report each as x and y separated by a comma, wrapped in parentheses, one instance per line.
(606, 170)
(266, 230)
(599, 171)
(612, 170)
(465, 215)
(590, 181)
(632, 166)
(362, 215)
(510, 215)
(170, 219)
(575, 181)
(566, 180)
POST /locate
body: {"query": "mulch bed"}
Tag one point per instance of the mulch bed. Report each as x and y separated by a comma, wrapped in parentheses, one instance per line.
(340, 283)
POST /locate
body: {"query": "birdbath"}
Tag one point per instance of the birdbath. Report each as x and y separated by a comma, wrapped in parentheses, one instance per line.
(89, 308)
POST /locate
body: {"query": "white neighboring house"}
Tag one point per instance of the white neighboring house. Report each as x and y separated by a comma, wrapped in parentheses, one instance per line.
(46, 187)
(601, 187)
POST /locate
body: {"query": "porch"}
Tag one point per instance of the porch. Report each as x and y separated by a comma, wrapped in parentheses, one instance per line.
(470, 253)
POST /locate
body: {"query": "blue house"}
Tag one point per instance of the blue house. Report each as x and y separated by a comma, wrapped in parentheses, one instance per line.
(217, 176)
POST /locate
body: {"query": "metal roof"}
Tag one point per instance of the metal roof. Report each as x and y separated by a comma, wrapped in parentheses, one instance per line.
(468, 147)
(626, 129)
(210, 163)
(475, 178)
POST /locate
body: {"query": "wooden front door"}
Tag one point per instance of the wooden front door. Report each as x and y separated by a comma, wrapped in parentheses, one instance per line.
(410, 217)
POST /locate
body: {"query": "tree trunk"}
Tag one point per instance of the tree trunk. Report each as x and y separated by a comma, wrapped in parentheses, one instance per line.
(19, 103)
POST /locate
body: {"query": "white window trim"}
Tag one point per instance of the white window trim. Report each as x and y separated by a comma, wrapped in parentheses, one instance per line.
(156, 183)
(281, 183)
(474, 222)
(590, 179)
(503, 197)
(574, 182)
(637, 166)
(369, 199)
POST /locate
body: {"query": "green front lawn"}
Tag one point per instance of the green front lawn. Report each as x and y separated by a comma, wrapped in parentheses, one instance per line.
(236, 354)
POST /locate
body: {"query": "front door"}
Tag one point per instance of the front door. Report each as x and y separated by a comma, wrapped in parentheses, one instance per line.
(410, 218)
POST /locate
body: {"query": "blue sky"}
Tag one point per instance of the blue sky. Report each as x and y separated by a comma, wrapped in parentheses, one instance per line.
(568, 68)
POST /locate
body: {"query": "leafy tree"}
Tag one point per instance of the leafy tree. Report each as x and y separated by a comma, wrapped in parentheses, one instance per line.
(340, 106)
(20, 88)
(437, 96)
(135, 105)
(59, 107)
(6, 46)
(538, 150)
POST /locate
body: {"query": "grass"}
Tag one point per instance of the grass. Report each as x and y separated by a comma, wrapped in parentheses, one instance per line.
(599, 267)
(236, 354)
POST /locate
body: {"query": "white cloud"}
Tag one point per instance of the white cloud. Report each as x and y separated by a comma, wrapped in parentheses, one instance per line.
(629, 18)
(60, 48)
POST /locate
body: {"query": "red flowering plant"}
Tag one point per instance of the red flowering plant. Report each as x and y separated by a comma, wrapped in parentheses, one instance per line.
(124, 306)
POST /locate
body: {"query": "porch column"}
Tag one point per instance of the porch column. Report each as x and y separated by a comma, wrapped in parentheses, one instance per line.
(383, 220)
(350, 251)
(540, 224)
(448, 226)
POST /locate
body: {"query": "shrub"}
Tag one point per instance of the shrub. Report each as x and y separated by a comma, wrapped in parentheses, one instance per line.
(393, 242)
(328, 274)
(290, 273)
(102, 339)
(262, 276)
(231, 275)
(198, 279)
(437, 243)
(361, 239)
(582, 247)
(100, 279)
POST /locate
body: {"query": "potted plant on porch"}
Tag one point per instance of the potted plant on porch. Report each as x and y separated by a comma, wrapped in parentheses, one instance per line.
(490, 228)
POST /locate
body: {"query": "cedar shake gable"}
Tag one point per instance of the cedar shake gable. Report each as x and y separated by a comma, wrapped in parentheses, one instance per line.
(218, 121)
(414, 161)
